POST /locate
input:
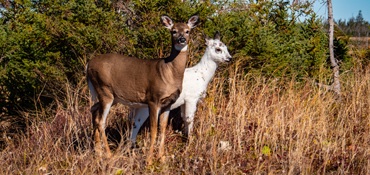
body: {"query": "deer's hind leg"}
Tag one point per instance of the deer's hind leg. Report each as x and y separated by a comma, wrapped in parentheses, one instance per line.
(139, 116)
(96, 132)
(100, 112)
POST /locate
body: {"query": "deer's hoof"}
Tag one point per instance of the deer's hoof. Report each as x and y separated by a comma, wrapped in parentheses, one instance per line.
(162, 159)
(149, 161)
(108, 155)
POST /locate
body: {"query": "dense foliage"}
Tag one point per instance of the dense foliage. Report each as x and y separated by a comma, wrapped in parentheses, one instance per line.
(272, 40)
(45, 45)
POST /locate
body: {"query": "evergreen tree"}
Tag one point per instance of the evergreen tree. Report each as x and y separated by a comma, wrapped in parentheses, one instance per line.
(46, 44)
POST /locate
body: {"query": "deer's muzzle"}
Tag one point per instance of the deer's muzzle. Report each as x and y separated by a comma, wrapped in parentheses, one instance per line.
(181, 40)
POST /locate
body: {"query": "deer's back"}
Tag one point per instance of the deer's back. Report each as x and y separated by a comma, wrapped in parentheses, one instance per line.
(131, 79)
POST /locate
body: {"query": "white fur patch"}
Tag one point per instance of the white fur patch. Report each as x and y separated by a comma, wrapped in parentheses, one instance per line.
(105, 113)
(92, 91)
(181, 47)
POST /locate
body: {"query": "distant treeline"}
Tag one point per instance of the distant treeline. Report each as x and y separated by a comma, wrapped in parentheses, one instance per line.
(355, 26)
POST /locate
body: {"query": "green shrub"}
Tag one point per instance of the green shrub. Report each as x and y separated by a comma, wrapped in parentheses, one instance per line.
(271, 41)
(45, 45)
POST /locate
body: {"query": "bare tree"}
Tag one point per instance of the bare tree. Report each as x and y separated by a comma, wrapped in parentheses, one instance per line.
(295, 2)
(335, 86)
(334, 63)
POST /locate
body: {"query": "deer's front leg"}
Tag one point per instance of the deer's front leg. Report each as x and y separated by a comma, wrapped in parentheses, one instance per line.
(188, 117)
(154, 110)
(163, 126)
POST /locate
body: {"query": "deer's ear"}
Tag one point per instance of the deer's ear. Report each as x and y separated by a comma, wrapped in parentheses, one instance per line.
(207, 39)
(193, 21)
(167, 21)
(217, 35)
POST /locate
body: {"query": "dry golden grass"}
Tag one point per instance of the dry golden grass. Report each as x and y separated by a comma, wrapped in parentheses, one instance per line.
(359, 43)
(246, 125)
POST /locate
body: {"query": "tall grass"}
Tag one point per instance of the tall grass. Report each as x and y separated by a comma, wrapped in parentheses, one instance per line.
(247, 124)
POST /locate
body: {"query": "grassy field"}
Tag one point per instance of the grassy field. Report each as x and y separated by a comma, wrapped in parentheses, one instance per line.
(359, 43)
(246, 125)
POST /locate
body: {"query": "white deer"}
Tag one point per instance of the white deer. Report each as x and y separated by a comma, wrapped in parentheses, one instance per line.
(194, 86)
(156, 83)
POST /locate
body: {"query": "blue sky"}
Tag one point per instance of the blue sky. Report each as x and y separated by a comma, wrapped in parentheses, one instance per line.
(344, 9)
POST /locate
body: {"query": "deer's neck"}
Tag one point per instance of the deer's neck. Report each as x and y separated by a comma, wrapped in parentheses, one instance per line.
(176, 63)
(207, 67)
(178, 56)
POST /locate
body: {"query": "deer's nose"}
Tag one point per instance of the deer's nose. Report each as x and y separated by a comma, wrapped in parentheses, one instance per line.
(229, 58)
(182, 40)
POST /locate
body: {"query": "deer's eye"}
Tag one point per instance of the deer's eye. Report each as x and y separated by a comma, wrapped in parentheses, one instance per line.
(174, 31)
(187, 32)
(218, 50)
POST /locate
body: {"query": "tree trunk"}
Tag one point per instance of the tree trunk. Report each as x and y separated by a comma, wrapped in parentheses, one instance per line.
(367, 40)
(295, 2)
(334, 64)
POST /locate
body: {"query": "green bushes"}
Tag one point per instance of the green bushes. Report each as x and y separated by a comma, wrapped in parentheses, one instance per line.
(272, 41)
(46, 44)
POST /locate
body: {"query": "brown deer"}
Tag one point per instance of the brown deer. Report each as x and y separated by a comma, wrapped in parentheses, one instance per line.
(157, 83)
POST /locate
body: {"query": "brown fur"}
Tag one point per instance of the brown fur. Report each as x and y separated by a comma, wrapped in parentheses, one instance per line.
(157, 83)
